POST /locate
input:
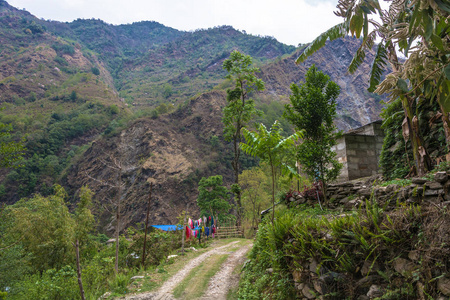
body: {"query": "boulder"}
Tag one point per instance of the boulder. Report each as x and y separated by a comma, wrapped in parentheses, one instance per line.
(137, 277)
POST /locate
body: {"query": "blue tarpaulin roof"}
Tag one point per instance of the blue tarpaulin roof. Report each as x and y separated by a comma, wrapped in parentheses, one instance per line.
(167, 227)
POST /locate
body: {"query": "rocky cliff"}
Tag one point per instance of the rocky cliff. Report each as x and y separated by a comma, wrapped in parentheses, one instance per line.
(355, 105)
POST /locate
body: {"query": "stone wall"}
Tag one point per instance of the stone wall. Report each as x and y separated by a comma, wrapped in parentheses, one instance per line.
(354, 193)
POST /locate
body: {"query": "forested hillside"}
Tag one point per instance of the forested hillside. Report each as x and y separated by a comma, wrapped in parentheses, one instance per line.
(66, 85)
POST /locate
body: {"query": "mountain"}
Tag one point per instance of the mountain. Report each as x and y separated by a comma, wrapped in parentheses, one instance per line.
(87, 93)
(355, 105)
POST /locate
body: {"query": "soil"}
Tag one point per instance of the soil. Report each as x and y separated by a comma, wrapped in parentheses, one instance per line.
(219, 284)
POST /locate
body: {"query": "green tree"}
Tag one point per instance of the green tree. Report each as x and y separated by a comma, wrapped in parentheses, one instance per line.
(313, 109)
(45, 228)
(418, 29)
(240, 108)
(270, 146)
(212, 195)
(84, 222)
(11, 152)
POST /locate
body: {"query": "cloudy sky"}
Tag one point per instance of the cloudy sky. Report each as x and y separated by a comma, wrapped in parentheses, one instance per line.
(289, 21)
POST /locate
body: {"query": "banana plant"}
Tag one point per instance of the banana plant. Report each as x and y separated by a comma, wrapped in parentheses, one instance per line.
(418, 29)
(270, 146)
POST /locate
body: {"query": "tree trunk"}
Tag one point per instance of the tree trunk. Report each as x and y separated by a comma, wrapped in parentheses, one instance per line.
(146, 225)
(116, 266)
(184, 229)
(80, 283)
(273, 192)
(118, 200)
(236, 175)
(421, 158)
(446, 124)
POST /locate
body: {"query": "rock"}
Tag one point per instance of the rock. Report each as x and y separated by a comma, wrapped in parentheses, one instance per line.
(300, 199)
(431, 192)
(392, 188)
(137, 277)
(369, 267)
(297, 275)
(417, 191)
(193, 249)
(414, 255)
(365, 192)
(440, 177)
(418, 180)
(404, 266)
(319, 286)
(443, 286)
(269, 270)
(171, 256)
(368, 280)
(374, 291)
(344, 184)
(420, 290)
(308, 292)
(434, 185)
(299, 286)
(313, 266)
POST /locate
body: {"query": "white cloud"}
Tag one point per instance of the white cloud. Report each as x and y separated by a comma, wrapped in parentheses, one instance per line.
(289, 21)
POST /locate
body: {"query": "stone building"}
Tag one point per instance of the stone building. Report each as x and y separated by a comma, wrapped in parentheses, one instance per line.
(359, 151)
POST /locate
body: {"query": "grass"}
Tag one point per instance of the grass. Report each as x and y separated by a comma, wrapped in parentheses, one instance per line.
(194, 285)
(400, 182)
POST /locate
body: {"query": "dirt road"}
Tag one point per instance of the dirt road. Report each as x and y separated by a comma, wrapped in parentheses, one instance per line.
(207, 276)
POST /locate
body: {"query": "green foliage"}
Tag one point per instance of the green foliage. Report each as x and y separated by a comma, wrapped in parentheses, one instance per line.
(424, 72)
(63, 48)
(11, 152)
(213, 197)
(313, 109)
(240, 109)
(396, 159)
(95, 71)
(43, 159)
(158, 246)
(270, 146)
(340, 247)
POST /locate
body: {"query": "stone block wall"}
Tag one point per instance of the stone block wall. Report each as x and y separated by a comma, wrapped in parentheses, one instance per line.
(359, 151)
